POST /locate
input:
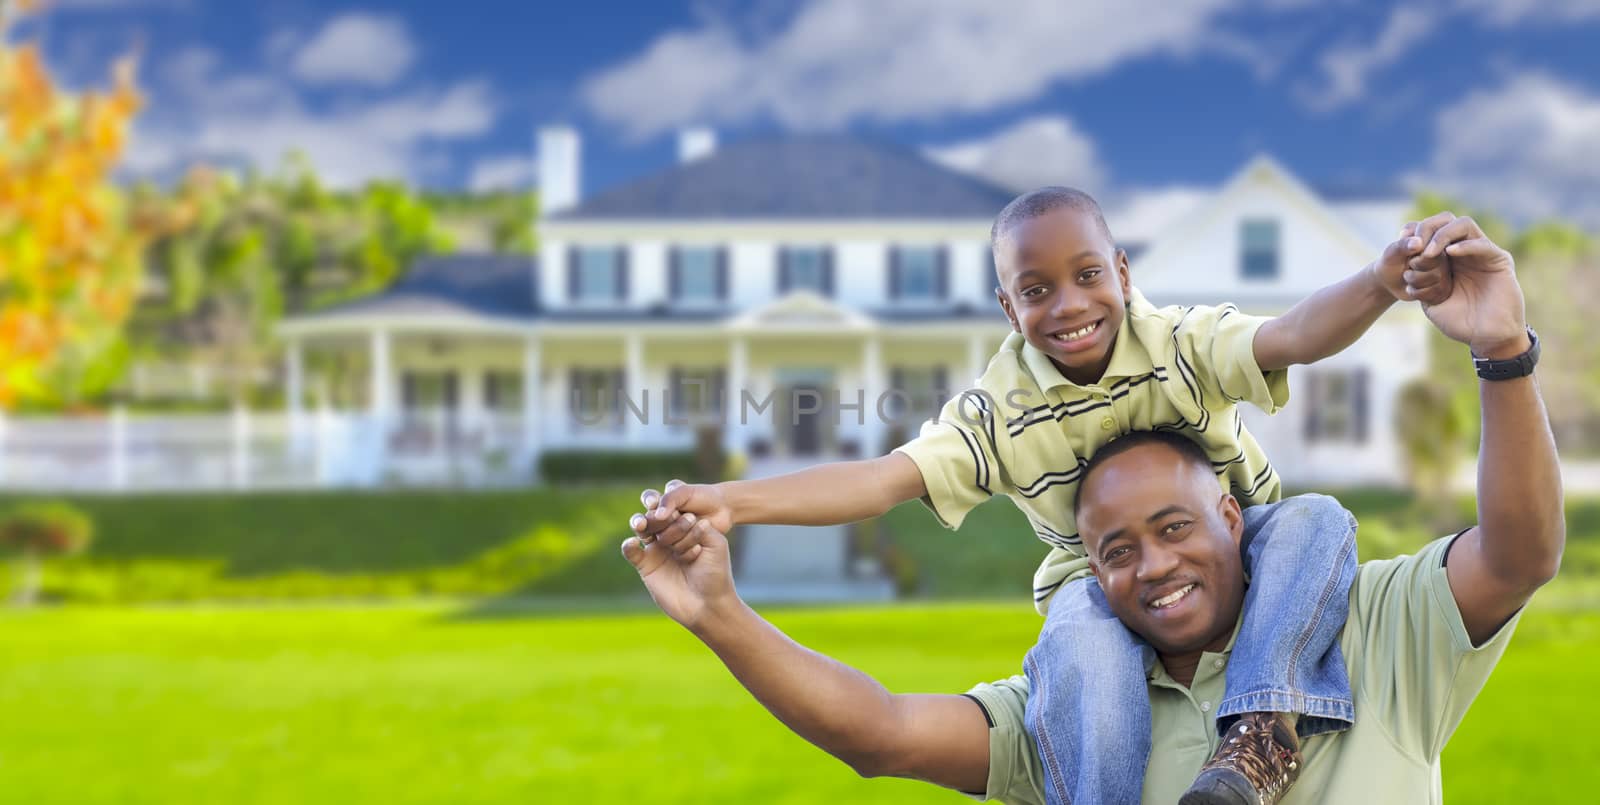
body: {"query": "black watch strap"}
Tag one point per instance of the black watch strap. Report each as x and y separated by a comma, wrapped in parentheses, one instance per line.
(1510, 368)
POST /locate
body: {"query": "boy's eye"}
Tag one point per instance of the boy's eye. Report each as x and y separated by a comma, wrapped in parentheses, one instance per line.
(1089, 275)
(1033, 292)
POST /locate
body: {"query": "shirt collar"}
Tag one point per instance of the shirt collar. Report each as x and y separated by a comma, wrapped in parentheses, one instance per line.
(1128, 356)
(1157, 673)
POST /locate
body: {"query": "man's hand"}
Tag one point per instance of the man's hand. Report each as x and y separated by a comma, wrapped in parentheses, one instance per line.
(662, 520)
(1484, 309)
(692, 583)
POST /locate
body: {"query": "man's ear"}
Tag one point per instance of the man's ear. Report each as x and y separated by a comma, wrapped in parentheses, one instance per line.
(1124, 275)
(1233, 516)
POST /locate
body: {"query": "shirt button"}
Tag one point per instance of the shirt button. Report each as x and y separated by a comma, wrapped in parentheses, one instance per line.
(1217, 663)
(1108, 423)
(1206, 706)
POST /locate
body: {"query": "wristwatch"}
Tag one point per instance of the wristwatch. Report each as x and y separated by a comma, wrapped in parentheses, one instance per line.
(1510, 368)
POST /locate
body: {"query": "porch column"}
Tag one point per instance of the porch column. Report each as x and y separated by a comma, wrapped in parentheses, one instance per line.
(872, 384)
(733, 431)
(379, 399)
(977, 361)
(532, 358)
(294, 393)
(633, 388)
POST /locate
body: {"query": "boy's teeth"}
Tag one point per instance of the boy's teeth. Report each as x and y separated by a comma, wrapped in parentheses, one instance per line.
(1078, 333)
(1168, 600)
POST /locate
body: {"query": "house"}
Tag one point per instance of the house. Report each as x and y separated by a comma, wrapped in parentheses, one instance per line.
(801, 299)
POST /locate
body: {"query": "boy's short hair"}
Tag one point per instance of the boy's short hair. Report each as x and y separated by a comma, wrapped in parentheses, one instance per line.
(1188, 449)
(1035, 203)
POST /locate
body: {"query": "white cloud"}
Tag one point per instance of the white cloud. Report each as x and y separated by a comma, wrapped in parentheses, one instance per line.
(1032, 153)
(255, 119)
(505, 172)
(1529, 148)
(1140, 215)
(1511, 12)
(356, 49)
(839, 61)
(1347, 67)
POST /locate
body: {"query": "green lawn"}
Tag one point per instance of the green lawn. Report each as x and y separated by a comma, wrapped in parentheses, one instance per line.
(441, 703)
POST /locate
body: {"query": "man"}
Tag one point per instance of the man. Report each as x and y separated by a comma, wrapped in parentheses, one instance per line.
(1423, 633)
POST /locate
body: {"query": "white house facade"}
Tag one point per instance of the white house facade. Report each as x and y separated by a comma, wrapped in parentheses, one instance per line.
(776, 292)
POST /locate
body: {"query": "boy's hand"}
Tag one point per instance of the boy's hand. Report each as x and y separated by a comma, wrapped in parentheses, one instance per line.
(662, 520)
(692, 585)
(1409, 272)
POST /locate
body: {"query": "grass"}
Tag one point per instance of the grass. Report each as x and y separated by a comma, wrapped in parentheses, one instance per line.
(436, 703)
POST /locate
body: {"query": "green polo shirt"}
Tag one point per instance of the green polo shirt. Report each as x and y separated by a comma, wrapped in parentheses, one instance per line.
(1413, 673)
(1031, 432)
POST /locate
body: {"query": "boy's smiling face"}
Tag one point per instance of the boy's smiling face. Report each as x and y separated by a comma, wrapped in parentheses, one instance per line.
(1064, 285)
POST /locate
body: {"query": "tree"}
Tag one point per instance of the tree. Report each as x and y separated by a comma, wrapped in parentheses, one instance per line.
(69, 255)
(34, 531)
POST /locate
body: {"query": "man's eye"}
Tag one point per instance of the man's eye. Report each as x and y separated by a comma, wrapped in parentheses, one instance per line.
(1118, 553)
(1175, 527)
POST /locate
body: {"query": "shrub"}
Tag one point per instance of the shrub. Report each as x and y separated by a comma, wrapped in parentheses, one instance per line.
(613, 466)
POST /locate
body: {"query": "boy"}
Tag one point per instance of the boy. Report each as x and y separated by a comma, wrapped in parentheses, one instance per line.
(1090, 359)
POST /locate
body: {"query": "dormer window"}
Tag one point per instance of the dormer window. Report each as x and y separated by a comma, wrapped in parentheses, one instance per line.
(1258, 249)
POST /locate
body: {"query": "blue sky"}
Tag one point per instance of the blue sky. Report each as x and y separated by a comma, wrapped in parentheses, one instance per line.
(1497, 100)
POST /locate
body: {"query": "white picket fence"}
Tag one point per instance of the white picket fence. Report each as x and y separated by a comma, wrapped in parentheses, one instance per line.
(245, 450)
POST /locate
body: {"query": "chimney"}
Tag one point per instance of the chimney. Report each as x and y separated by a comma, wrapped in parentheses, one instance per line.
(696, 143)
(560, 169)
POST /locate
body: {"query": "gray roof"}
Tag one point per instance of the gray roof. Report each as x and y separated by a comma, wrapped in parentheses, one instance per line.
(492, 285)
(800, 177)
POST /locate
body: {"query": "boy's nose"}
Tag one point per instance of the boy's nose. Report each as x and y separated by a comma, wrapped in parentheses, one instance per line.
(1071, 302)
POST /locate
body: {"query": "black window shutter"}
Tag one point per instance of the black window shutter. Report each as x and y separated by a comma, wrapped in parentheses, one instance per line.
(622, 273)
(618, 388)
(719, 389)
(941, 271)
(827, 271)
(722, 272)
(572, 272)
(491, 391)
(1314, 394)
(675, 390)
(674, 272)
(894, 272)
(450, 388)
(941, 383)
(408, 390)
(783, 269)
(1358, 388)
(574, 390)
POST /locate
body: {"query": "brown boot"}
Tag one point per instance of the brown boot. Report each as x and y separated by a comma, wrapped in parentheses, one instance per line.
(1258, 760)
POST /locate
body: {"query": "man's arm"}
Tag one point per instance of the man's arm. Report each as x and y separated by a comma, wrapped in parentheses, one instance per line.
(1495, 567)
(1333, 318)
(844, 712)
(827, 494)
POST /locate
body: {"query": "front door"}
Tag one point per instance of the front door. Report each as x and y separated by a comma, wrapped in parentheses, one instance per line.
(805, 421)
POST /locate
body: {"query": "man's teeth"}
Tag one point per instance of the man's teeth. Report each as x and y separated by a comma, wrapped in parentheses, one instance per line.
(1078, 333)
(1168, 600)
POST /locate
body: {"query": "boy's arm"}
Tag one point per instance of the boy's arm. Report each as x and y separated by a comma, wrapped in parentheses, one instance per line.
(827, 494)
(1326, 322)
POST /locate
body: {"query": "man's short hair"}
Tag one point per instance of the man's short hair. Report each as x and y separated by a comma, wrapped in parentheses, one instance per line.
(1035, 203)
(1187, 449)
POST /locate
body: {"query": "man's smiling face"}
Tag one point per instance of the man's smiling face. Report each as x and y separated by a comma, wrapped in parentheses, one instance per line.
(1163, 541)
(1064, 286)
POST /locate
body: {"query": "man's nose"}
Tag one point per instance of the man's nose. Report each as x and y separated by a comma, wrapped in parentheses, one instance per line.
(1156, 562)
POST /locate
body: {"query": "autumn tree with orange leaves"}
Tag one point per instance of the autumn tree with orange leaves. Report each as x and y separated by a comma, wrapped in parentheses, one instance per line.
(69, 256)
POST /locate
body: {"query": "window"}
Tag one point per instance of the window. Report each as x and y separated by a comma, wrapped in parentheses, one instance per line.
(698, 274)
(502, 391)
(923, 392)
(695, 394)
(1258, 249)
(916, 273)
(596, 395)
(807, 267)
(1338, 406)
(597, 274)
(427, 391)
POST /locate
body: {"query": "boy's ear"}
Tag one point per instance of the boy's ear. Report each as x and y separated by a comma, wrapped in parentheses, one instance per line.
(1005, 304)
(1123, 273)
